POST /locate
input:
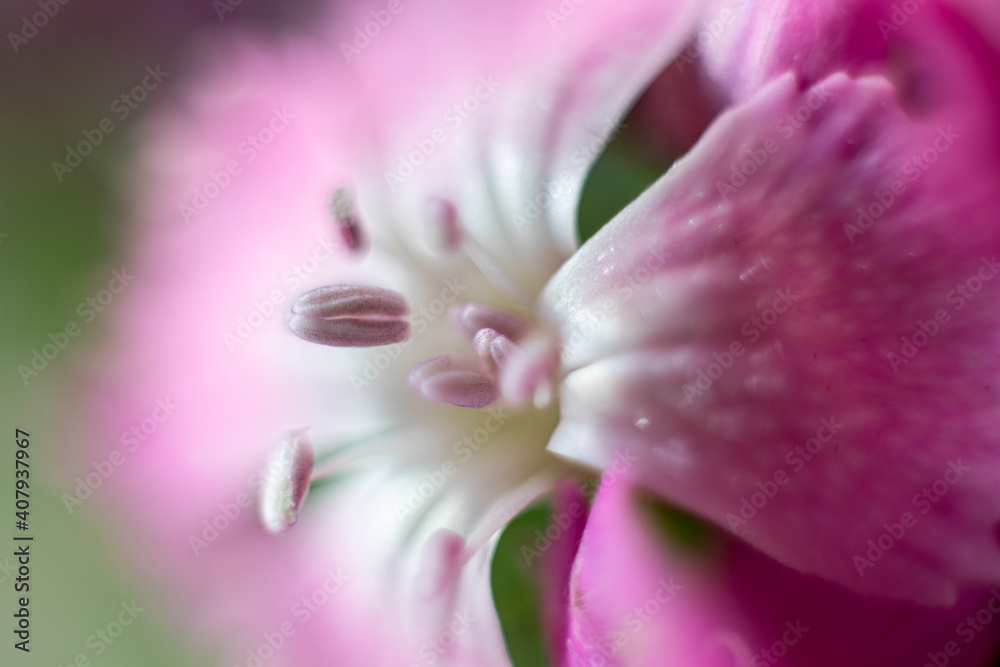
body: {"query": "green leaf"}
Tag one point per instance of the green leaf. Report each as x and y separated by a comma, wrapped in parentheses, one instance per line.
(684, 530)
(688, 535)
(516, 587)
(620, 174)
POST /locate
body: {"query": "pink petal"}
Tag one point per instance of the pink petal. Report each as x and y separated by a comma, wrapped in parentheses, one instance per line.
(642, 601)
(712, 332)
(937, 50)
(566, 523)
(547, 85)
(745, 45)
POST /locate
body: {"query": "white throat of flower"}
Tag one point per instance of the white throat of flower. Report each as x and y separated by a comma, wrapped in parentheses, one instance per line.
(508, 357)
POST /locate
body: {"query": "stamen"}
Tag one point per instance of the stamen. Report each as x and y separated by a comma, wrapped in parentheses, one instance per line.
(443, 231)
(441, 563)
(493, 349)
(447, 238)
(450, 379)
(350, 316)
(346, 217)
(527, 372)
(286, 483)
(468, 319)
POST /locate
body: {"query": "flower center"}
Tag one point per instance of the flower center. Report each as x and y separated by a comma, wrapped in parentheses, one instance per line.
(503, 356)
(507, 357)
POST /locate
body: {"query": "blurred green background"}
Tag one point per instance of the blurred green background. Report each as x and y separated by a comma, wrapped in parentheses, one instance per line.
(59, 242)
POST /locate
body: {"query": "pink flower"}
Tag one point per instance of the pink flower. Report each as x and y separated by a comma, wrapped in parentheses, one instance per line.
(702, 598)
(737, 331)
(272, 176)
(840, 218)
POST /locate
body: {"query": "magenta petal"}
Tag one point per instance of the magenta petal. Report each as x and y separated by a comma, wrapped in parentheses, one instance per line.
(566, 521)
(639, 601)
(789, 367)
(749, 44)
(745, 45)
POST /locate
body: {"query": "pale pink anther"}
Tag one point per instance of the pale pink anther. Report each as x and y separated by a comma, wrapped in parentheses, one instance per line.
(448, 378)
(493, 349)
(286, 483)
(444, 234)
(467, 319)
(345, 215)
(350, 316)
(527, 372)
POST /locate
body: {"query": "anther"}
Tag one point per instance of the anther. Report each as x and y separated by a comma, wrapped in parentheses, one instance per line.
(527, 372)
(447, 237)
(286, 483)
(350, 316)
(449, 379)
(493, 349)
(346, 216)
(468, 319)
(444, 234)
